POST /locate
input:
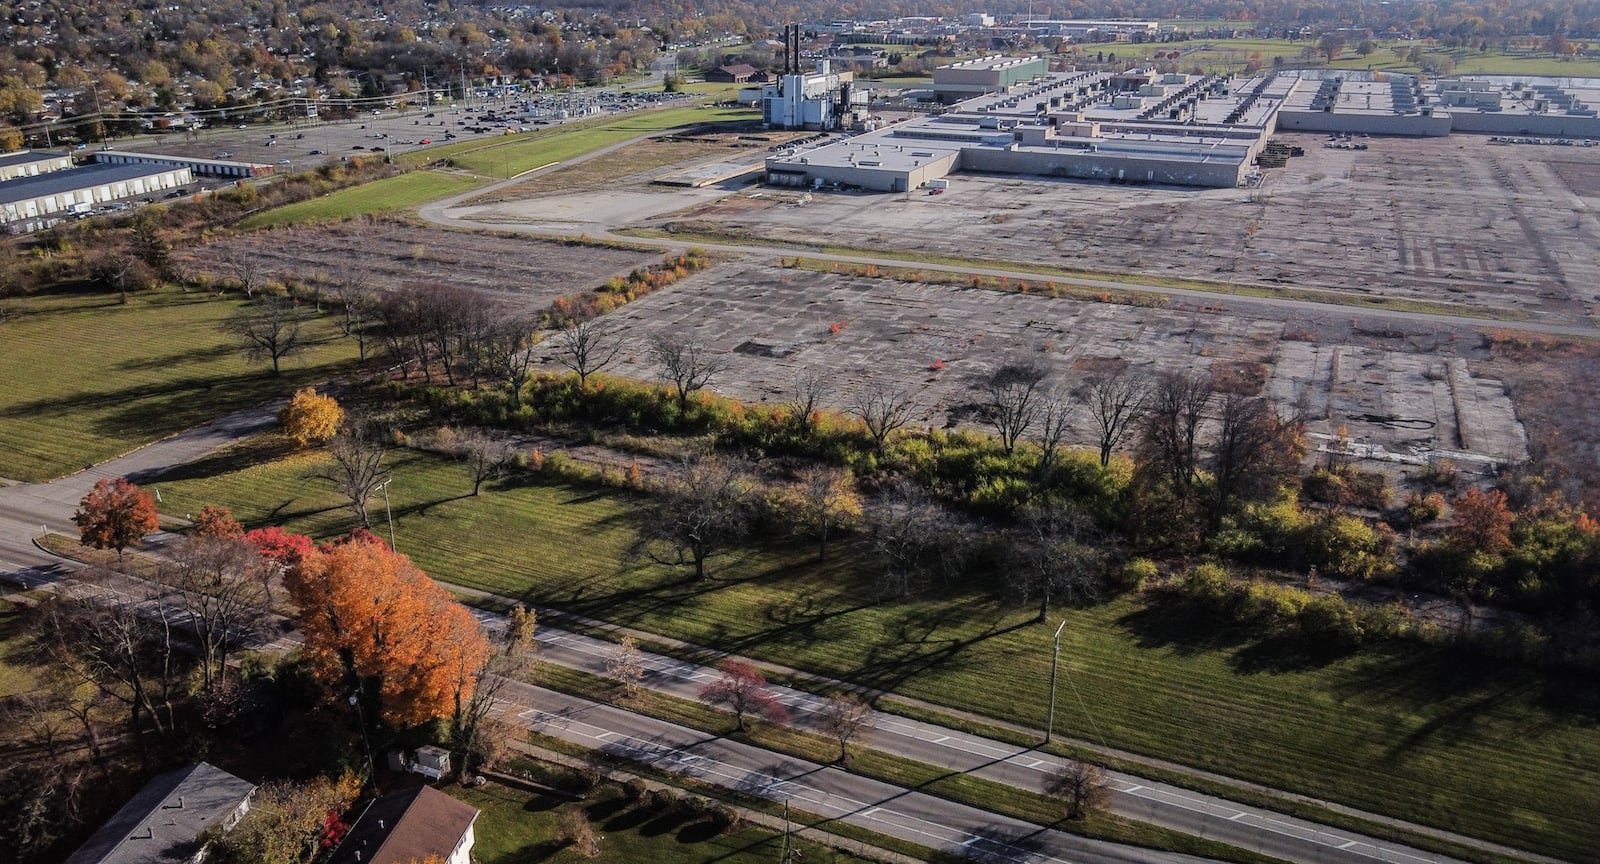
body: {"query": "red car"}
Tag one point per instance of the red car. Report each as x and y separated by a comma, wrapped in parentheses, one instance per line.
(426, 141)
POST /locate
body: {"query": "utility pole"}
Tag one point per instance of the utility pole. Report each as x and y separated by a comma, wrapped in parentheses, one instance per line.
(1055, 661)
(390, 515)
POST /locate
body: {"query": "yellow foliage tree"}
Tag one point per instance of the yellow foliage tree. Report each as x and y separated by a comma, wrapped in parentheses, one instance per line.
(376, 624)
(311, 418)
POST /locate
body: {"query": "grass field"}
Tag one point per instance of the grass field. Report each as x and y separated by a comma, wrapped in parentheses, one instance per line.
(84, 378)
(380, 196)
(1426, 734)
(513, 154)
(518, 827)
(1232, 54)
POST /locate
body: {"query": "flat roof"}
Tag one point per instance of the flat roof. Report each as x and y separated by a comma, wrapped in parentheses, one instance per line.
(23, 157)
(71, 180)
(161, 821)
(993, 61)
(179, 160)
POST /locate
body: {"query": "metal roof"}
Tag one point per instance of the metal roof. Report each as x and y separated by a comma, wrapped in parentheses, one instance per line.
(89, 176)
(26, 156)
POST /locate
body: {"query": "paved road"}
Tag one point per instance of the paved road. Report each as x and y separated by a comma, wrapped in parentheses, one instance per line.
(25, 509)
(1174, 807)
(815, 789)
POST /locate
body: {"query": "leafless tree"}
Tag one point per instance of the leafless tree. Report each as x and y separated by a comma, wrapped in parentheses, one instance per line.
(1058, 557)
(486, 456)
(586, 347)
(626, 667)
(1254, 453)
(1014, 399)
(246, 268)
(114, 269)
(1081, 786)
(356, 467)
(1115, 404)
(219, 588)
(884, 407)
(915, 538)
(358, 306)
(1170, 428)
(845, 718)
(122, 645)
(809, 394)
(1055, 415)
(702, 510)
(268, 329)
(685, 364)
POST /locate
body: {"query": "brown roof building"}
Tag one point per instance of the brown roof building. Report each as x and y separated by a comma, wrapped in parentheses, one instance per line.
(408, 827)
(738, 73)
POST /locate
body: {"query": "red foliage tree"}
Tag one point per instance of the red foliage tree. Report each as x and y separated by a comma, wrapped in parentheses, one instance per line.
(375, 623)
(1482, 523)
(276, 544)
(214, 521)
(743, 690)
(115, 515)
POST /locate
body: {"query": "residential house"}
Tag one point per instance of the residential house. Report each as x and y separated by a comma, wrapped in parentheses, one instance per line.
(408, 827)
(166, 820)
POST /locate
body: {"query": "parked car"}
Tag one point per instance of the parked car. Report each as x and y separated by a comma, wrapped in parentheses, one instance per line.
(317, 152)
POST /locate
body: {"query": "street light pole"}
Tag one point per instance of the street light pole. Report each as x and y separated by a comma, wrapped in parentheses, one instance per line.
(389, 514)
(1055, 661)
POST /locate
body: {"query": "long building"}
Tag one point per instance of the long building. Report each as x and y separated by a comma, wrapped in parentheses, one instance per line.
(200, 167)
(1402, 105)
(1145, 127)
(31, 203)
(32, 163)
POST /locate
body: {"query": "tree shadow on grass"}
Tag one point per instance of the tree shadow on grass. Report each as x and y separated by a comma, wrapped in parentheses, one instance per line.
(698, 831)
(631, 818)
(236, 457)
(1185, 628)
(543, 802)
(535, 852)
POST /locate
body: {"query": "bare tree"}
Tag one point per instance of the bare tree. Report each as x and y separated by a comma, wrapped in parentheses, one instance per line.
(914, 537)
(1014, 400)
(1081, 786)
(1170, 429)
(1058, 557)
(626, 667)
(358, 306)
(884, 408)
(356, 468)
(485, 456)
(586, 347)
(246, 268)
(702, 510)
(809, 394)
(220, 590)
(845, 718)
(268, 329)
(1055, 415)
(1115, 404)
(114, 269)
(122, 646)
(685, 364)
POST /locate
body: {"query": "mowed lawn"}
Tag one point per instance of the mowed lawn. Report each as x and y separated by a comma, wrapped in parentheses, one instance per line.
(84, 378)
(18, 674)
(380, 196)
(508, 155)
(1431, 735)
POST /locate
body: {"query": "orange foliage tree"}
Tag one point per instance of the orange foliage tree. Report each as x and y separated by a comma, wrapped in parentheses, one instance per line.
(375, 623)
(215, 521)
(311, 418)
(115, 515)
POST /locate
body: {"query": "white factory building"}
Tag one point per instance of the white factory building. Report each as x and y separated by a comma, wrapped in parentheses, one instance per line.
(31, 203)
(1130, 127)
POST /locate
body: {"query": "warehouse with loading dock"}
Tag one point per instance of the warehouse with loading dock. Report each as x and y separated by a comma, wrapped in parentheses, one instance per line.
(31, 203)
(32, 163)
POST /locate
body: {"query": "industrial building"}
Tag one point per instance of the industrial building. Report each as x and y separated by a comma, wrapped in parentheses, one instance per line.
(808, 100)
(1402, 105)
(32, 203)
(32, 163)
(997, 73)
(199, 167)
(1145, 127)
